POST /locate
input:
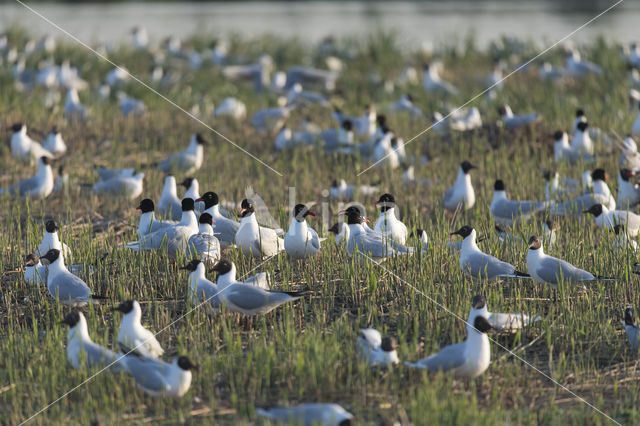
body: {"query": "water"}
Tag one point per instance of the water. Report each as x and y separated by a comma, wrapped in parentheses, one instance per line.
(416, 22)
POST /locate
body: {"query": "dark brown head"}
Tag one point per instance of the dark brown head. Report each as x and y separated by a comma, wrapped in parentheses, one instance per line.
(599, 174)
(191, 266)
(247, 208)
(535, 243)
(52, 255)
(187, 204)
(222, 267)
(124, 307)
(628, 316)
(146, 206)
(498, 185)
(386, 202)
(626, 174)
(187, 182)
(479, 301)
(466, 166)
(31, 259)
(464, 232)
(210, 199)
(389, 344)
(582, 126)
(300, 211)
(72, 319)
(595, 210)
(482, 324)
(50, 226)
(201, 140)
(186, 364)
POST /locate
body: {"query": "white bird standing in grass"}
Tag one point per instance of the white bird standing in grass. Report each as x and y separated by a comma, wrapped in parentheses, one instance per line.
(563, 151)
(37, 187)
(148, 223)
(187, 161)
(25, 148)
(50, 240)
(631, 328)
(312, 413)
(513, 121)
(376, 350)
(233, 108)
(388, 224)
(508, 212)
(461, 193)
(628, 192)
(63, 285)
(82, 351)
(204, 245)
(73, 108)
(501, 321)
(54, 142)
(35, 272)
(159, 378)
(169, 205)
(132, 335)
(581, 141)
(432, 81)
(468, 359)
(301, 241)
(253, 239)
(578, 67)
(120, 187)
(607, 219)
(224, 228)
(201, 289)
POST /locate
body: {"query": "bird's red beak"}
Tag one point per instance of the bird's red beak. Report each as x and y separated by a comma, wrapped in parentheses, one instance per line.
(139, 208)
(242, 211)
(199, 199)
(310, 213)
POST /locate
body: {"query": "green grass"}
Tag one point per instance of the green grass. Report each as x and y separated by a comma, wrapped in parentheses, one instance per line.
(305, 351)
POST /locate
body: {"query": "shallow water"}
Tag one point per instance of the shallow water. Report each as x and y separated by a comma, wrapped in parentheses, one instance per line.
(416, 22)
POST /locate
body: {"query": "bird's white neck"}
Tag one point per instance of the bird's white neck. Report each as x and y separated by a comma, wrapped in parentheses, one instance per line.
(189, 219)
(80, 332)
(214, 211)
(228, 278)
(499, 195)
(194, 190)
(170, 188)
(469, 244)
(205, 228)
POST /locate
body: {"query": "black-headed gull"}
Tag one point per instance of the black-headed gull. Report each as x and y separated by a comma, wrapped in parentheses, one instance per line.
(63, 285)
(204, 245)
(255, 240)
(159, 378)
(311, 413)
(25, 148)
(301, 241)
(631, 327)
(54, 142)
(375, 350)
(169, 205)
(225, 229)
(148, 223)
(37, 187)
(388, 224)
(508, 212)
(132, 336)
(607, 219)
(461, 193)
(187, 161)
(513, 121)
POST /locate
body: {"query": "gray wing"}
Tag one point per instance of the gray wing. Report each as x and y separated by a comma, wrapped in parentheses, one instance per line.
(632, 220)
(99, 356)
(250, 298)
(449, 358)
(204, 244)
(447, 195)
(576, 206)
(209, 292)
(372, 243)
(552, 270)
(225, 230)
(508, 209)
(147, 372)
(479, 262)
(25, 186)
(69, 287)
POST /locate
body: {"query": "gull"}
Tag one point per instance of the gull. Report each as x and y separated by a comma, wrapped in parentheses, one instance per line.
(192, 191)
(201, 290)
(421, 236)
(366, 124)
(508, 212)
(258, 73)
(463, 119)
(547, 269)
(301, 241)
(261, 279)
(37, 187)
(432, 81)
(376, 350)
(495, 79)
(461, 193)
(63, 285)
(286, 139)
(23, 147)
(369, 243)
(225, 229)
(501, 321)
(549, 236)
(388, 224)
(204, 245)
(132, 336)
(311, 76)
(406, 104)
(384, 153)
(341, 191)
(311, 413)
(341, 232)
(73, 108)
(265, 120)
(120, 187)
(131, 106)
(409, 177)
(54, 142)
(513, 121)
(148, 222)
(581, 141)
(139, 38)
(628, 193)
(555, 187)
(169, 205)
(232, 107)
(172, 238)
(50, 240)
(187, 161)
(297, 95)
(248, 299)
(106, 174)
(607, 219)
(82, 351)
(255, 240)
(468, 359)
(578, 67)
(117, 76)
(623, 242)
(631, 328)
(548, 71)
(34, 272)
(159, 378)
(480, 265)
(562, 150)
(335, 140)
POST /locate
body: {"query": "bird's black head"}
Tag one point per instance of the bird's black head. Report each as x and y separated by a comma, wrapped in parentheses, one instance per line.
(186, 364)
(557, 135)
(146, 206)
(381, 119)
(628, 315)
(31, 259)
(498, 185)
(191, 266)
(595, 210)
(187, 204)
(222, 267)
(417, 233)
(479, 301)
(55, 130)
(300, 211)
(502, 110)
(626, 174)
(579, 113)
(552, 224)
(247, 208)
(389, 344)
(466, 166)
(599, 174)
(45, 160)
(482, 324)
(201, 140)
(347, 125)
(582, 126)
(535, 243)
(409, 97)
(246, 203)
(17, 127)
(206, 218)
(354, 215)
(335, 228)
(464, 232)
(71, 319)
(386, 202)
(617, 228)
(546, 174)
(210, 199)
(186, 182)
(124, 307)
(51, 226)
